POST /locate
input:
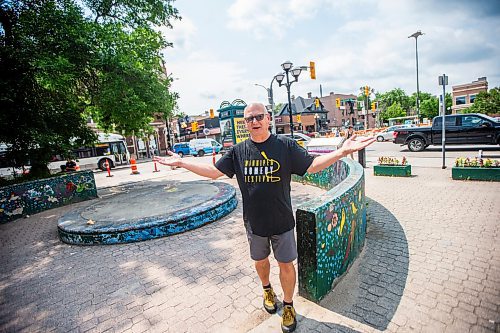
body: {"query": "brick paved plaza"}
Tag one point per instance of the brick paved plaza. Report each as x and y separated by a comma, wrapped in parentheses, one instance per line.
(431, 263)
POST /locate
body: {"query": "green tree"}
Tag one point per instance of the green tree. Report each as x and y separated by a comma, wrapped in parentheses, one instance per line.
(58, 67)
(429, 108)
(486, 102)
(449, 102)
(423, 96)
(393, 111)
(277, 108)
(393, 96)
(41, 111)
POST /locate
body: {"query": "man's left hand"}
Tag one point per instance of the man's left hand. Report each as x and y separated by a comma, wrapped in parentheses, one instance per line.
(354, 143)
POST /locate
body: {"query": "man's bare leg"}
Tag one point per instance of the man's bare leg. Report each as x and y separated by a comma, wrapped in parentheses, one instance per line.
(287, 278)
(263, 268)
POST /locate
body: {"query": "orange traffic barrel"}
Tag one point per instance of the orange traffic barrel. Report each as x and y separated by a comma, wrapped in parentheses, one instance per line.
(134, 167)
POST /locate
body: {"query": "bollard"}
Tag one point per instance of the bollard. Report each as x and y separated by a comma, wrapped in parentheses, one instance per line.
(362, 157)
(108, 168)
(133, 166)
(156, 169)
(213, 155)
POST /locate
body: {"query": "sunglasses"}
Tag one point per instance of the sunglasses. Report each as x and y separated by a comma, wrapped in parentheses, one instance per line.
(258, 117)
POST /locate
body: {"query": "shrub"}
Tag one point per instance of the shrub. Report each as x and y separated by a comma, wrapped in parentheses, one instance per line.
(476, 162)
(384, 160)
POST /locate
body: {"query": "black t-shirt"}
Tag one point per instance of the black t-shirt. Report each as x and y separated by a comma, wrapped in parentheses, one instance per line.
(264, 171)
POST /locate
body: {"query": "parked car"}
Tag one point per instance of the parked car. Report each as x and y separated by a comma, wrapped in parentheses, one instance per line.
(181, 148)
(460, 129)
(301, 138)
(200, 147)
(388, 133)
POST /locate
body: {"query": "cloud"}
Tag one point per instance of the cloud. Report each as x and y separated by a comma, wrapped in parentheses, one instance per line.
(181, 34)
(205, 81)
(353, 42)
(269, 19)
(375, 50)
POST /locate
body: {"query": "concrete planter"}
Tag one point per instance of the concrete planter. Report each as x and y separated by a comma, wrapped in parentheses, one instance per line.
(464, 173)
(392, 170)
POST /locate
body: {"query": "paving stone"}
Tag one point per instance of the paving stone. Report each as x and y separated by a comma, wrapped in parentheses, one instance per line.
(464, 315)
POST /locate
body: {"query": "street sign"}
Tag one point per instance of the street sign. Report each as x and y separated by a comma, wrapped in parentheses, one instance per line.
(206, 131)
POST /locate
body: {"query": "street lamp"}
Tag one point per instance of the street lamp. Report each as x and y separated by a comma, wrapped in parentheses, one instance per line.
(416, 35)
(271, 102)
(316, 117)
(287, 67)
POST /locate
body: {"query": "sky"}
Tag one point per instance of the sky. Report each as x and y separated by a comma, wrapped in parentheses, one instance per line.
(222, 48)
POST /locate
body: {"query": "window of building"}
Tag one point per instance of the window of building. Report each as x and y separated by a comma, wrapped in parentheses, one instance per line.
(472, 98)
(460, 100)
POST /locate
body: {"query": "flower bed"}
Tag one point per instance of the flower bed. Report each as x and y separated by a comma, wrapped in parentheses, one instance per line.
(390, 166)
(476, 169)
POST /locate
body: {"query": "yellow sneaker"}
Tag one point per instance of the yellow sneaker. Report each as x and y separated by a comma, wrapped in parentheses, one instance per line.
(288, 321)
(270, 300)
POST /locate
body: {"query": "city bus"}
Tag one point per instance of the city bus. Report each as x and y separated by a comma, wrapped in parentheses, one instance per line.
(109, 147)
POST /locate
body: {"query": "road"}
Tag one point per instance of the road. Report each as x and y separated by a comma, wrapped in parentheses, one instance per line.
(429, 158)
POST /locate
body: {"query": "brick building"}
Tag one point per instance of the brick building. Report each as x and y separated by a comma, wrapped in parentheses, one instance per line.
(463, 95)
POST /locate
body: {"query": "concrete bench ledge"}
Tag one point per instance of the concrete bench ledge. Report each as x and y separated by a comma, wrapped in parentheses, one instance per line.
(331, 228)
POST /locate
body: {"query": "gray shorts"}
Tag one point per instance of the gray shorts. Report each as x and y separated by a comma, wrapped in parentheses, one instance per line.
(284, 246)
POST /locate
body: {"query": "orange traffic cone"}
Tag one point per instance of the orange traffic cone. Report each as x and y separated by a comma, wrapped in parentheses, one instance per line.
(134, 167)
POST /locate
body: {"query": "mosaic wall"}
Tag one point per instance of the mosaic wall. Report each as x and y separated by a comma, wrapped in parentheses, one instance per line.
(33, 197)
(331, 228)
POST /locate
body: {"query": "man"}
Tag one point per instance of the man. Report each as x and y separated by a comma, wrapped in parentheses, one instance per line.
(263, 166)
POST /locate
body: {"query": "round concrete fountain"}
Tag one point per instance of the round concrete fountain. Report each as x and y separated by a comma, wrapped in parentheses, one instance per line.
(145, 211)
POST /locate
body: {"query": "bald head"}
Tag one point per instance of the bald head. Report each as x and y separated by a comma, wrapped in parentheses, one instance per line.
(257, 121)
(259, 107)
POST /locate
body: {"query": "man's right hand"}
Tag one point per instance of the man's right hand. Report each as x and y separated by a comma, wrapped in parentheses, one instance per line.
(173, 160)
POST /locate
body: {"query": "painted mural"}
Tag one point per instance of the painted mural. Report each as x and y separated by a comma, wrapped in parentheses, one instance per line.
(33, 197)
(331, 229)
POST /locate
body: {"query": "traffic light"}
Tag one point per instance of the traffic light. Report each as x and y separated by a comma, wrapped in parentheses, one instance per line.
(316, 102)
(299, 118)
(212, 115)
(367, 90)
(194, 126)
(312, 70)
(337, 102)
(374, 106)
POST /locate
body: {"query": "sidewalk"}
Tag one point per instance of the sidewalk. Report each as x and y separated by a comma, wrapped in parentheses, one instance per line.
(431, 263)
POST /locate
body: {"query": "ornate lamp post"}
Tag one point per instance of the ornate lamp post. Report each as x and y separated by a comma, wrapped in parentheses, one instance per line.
(271, 102)
(415, 35)
(287, 67)
(316, 118)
